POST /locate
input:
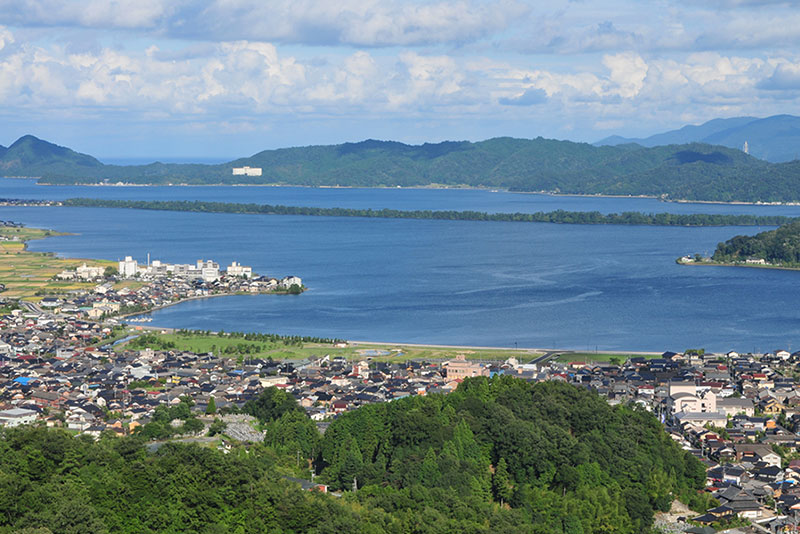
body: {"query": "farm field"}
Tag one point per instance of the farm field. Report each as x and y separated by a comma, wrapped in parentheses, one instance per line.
(27, 275)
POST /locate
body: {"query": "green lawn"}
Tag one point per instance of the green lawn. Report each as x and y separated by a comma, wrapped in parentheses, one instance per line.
(601, 357)
(228, 346)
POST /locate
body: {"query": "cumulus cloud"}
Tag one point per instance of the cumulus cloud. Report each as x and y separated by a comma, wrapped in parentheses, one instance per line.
(84, 13)
(6, 37)
(628, 72)
(785, 77)
(309, 22)
(530, 97)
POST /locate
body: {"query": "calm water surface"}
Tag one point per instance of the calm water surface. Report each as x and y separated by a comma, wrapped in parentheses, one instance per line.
(451, 282)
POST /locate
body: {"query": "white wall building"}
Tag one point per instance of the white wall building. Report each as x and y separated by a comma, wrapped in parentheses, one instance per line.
(85, 272)
(128, 267)
(289, 281)
(247, 171)
(17, 416)
(236, 269)
(209, 270)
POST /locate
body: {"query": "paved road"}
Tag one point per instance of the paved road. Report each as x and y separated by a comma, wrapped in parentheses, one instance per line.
(550, 354)
(30, 306)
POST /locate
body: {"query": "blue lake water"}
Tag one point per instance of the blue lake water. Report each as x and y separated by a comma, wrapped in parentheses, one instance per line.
(450, 282)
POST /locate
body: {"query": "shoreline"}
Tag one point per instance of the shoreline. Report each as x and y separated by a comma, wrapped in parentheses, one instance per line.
(749, 266)
(538, 350)
(427, 187)
(198, 297)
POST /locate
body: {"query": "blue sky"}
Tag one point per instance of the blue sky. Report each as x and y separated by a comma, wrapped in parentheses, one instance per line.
(218, 78)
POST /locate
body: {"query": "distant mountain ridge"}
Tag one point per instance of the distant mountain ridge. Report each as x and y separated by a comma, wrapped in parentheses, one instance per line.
(775, 139)
(693, 171)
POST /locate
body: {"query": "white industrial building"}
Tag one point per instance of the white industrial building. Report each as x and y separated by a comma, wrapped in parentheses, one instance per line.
(128, 267)
(17, 416)
(236, 269)
(247, 171)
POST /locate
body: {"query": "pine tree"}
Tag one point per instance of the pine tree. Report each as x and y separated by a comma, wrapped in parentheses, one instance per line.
(212, 406)
(501, 482)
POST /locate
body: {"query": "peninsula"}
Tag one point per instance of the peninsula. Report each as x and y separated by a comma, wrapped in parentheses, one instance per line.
(558, 216)
(97, 289)
(773, 249)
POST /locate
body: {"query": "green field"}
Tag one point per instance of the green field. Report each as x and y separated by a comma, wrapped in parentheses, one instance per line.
(26, 273)
(601, 357)
(236, 347)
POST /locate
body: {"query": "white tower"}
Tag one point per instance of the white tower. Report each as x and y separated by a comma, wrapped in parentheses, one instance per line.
(745, 148)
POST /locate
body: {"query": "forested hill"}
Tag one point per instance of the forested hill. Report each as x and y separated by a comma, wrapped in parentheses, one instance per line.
(496, 456)
(560, 457)
(691, 171)
(776, 247)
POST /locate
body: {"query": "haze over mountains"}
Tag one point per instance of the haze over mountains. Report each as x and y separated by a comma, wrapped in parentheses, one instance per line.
(775, 139)
(692, 171)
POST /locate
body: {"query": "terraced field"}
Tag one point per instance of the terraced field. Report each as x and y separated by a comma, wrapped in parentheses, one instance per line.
(27, 275)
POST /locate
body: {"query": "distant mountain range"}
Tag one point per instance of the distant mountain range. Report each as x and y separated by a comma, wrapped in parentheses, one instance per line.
(775, 139)
(692, 171)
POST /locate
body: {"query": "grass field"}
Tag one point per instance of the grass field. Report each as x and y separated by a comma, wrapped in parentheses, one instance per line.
(228, 346)
(25, 273)
(600, 357)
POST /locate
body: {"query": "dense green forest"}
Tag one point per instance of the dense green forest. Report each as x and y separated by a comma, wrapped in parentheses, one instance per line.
(553, 454)
(692, 171)
(778, 247)
(498, 455)
(559, 216)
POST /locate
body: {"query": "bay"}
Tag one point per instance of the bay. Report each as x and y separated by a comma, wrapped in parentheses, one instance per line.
(448, 282)
(402, 199)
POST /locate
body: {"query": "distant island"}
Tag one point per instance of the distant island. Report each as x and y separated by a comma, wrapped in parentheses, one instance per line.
(558, 216)
(779, 248)
(693, 171)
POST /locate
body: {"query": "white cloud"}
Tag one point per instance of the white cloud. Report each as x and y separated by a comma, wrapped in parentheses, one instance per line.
(315, 22)
(84, 13)
(785, 77)
(6, 37)
(628, 72)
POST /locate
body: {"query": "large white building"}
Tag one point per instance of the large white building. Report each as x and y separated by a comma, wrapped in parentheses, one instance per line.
(247, 171)
(236, 269)
(209, 270)
(17, 416)
(128, 267)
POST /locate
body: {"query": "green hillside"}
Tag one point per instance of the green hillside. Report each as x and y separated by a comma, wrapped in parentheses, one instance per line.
(776, 247)
(553, 453)
(496, 456)
(692, 171)
(30, 156)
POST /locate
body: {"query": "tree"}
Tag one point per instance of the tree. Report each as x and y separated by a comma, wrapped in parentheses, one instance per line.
(217, 427)
(501, 482)
(270, 405)
(295, 289)
(212, 406)
(192, 425)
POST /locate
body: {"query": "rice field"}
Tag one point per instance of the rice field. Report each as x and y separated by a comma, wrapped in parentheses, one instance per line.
(26, 275)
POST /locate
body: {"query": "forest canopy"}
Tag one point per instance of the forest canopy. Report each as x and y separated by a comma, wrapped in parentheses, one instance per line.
(496, 455)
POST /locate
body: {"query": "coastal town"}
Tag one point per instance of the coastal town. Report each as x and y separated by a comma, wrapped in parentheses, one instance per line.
(78, 360)
(64, 366)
